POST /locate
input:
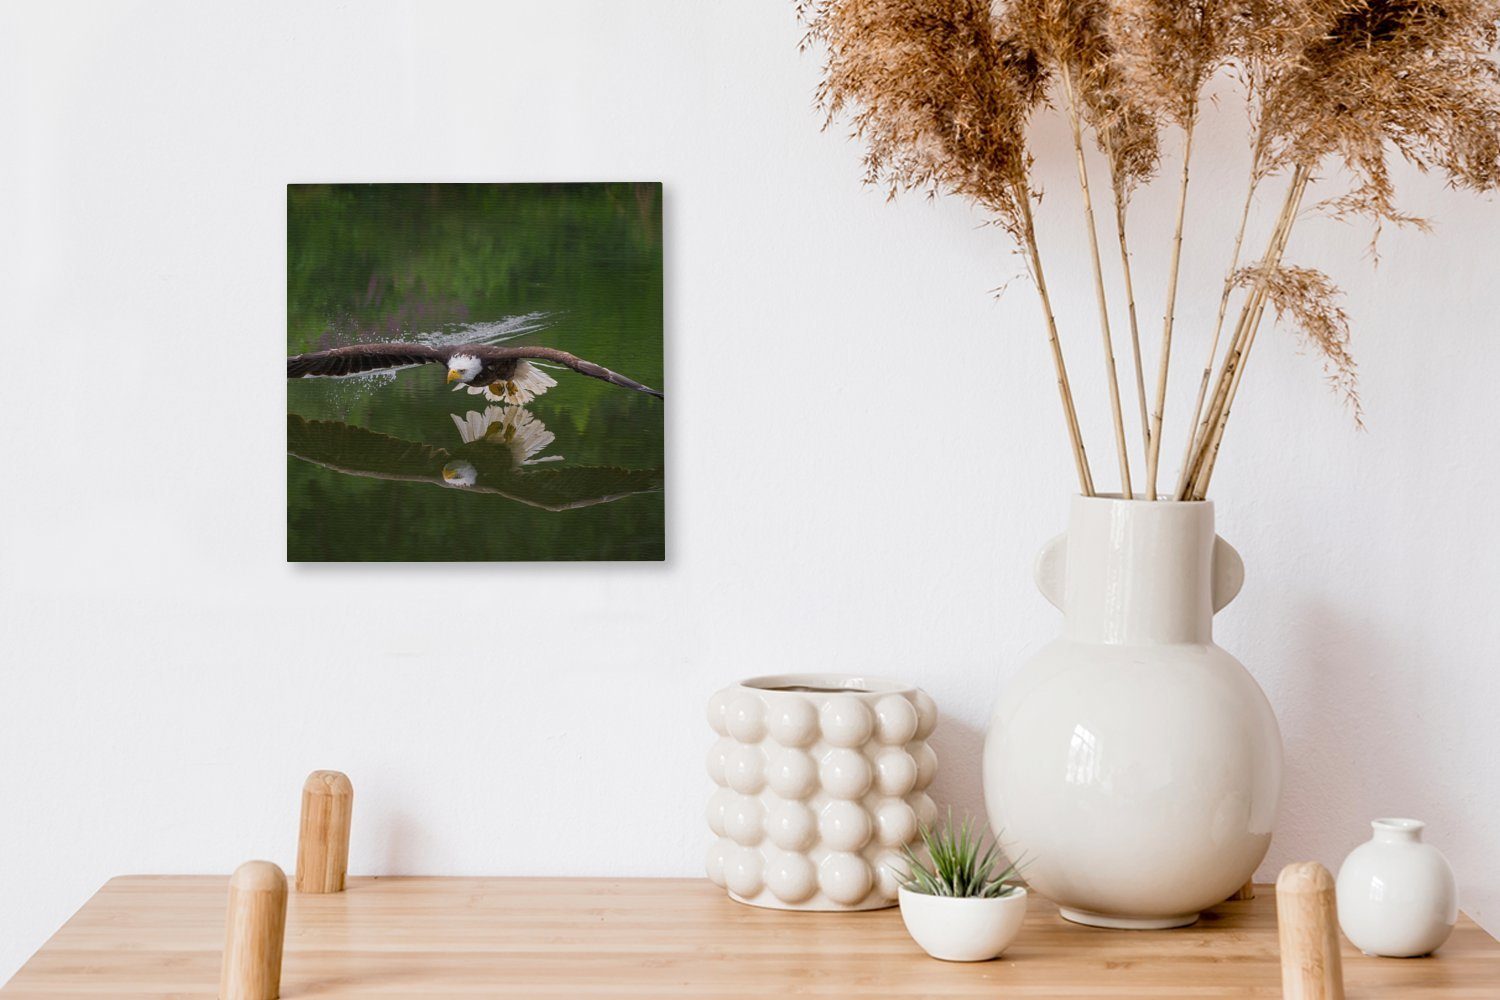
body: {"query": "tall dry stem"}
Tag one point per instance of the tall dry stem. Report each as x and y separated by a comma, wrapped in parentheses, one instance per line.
(1244, 336)
(1166, 50)
(1075, 121)
(1205, 474)
(1135, 330)
(1234, 354)
(1194, 430)
(1153, 455)
(1064, 389)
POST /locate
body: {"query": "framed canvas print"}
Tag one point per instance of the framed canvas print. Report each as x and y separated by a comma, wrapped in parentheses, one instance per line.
(474, 372)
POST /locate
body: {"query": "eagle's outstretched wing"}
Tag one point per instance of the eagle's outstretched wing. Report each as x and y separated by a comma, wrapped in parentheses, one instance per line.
(574, 362)
(357, 358)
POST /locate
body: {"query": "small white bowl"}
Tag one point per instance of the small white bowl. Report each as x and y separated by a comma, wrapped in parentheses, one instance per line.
(963, 930)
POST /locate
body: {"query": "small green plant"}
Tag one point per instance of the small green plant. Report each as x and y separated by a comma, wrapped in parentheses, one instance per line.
(960, 864)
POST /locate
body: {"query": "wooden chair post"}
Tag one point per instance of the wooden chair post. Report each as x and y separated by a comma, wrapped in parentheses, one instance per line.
(253, 933)
(323, 839)
(1244, 892)
(1307, 926)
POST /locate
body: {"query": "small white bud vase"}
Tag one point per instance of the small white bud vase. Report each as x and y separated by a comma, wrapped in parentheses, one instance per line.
(1396, 895)
(821, 781)
(963, 930)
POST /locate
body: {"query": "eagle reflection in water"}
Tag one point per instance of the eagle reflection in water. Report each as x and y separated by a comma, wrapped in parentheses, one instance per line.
(500, 453)
(513, 428)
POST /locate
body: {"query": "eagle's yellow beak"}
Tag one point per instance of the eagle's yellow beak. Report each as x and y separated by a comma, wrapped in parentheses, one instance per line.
(454, 374)
(450, 473)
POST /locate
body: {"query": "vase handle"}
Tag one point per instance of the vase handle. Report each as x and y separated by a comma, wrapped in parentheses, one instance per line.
(1052, 563)
(1228, 573)
(1051, 568)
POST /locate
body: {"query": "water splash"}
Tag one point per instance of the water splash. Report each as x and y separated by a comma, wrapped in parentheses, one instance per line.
(491, 332)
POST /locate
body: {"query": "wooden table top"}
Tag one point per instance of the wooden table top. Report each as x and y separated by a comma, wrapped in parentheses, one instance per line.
(421, 938)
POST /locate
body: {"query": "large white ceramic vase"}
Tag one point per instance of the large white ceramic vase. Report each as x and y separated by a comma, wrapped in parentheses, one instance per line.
(1134, 764)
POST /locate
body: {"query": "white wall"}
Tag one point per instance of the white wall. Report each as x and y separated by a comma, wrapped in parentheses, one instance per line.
(865, 454)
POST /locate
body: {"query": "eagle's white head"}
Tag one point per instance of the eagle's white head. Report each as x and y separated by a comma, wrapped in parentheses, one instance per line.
(463, 368)
(460, 473)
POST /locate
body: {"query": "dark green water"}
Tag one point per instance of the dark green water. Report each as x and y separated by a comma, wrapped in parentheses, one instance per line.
(576, 267)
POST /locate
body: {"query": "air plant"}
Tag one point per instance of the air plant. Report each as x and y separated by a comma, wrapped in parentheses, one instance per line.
(959, 864)
(941, 93)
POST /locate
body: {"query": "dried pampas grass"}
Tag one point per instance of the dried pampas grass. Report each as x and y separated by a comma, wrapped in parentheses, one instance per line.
(1363, 79)
(938, 96)
(1308, 300)
(941, 92)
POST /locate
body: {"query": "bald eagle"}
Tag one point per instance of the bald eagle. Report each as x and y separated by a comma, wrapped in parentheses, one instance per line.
(501, 374)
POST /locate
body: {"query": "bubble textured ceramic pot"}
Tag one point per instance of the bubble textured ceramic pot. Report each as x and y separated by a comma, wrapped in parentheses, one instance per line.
(1134, 763)
(1396, 895)
(822, 781)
